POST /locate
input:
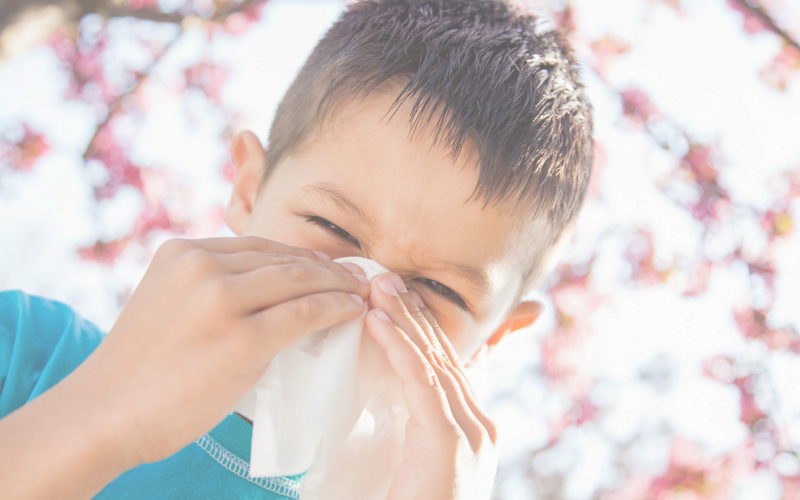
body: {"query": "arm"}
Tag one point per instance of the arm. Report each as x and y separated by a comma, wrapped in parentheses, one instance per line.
(198, 332)
(62, 444)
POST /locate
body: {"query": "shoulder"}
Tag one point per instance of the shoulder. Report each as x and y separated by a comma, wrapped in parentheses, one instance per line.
(41, 342)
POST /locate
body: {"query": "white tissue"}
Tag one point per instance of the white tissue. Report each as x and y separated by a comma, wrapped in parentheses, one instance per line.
(332, 406)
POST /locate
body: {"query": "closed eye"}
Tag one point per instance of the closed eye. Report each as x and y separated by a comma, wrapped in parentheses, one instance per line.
(332, 228)
(445, 292)
(437, 287)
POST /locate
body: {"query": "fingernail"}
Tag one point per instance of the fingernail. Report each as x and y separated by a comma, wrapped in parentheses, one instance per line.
(386, 285)
(324, 256)
(362, 279)
(353, 268)
(417, 299)
(359, 301)
(382, 316)
(398, 283)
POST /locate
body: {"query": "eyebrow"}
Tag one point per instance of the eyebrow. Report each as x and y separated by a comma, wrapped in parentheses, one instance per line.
(333, 194)
(479, 280)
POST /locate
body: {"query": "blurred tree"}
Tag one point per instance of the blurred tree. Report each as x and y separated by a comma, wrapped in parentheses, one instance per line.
(21, 16)
(87, 38)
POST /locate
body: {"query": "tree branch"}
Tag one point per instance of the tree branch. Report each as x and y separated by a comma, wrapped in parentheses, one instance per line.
(769, 22)
(158, 16)
(117, 102)
(143, 14)
(13, 11)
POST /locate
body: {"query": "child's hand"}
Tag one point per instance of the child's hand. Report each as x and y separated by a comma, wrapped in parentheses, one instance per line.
(195, 336)
(201, 328)
(450, 449)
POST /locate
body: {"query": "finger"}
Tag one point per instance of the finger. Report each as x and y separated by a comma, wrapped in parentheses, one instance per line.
(423, 316)
(387, 294)
(409, 363)
(416, 307)
(424, 396)
(270, 285)
(444, 341)
(242, 262)
(246, 261)
(240, 244)
(463, 412)
(486, 425)
(405, 313)
(287, 323)
(463, 404)
(457, 369)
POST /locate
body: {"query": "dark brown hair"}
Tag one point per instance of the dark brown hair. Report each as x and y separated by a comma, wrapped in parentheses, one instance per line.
(490, 75)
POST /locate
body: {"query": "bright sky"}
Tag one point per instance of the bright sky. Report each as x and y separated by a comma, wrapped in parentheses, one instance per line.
(699, 67)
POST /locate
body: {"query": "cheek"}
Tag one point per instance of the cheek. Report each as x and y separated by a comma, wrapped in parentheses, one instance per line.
(459, 329)
(275, 228)
(274, 224)
(465, 333)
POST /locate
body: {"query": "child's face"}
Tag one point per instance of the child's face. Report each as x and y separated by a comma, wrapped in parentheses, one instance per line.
(362, 187)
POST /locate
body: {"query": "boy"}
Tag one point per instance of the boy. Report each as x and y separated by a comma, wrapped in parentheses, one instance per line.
(446, 140)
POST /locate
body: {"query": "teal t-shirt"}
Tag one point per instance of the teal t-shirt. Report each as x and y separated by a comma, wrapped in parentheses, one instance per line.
(42, 341)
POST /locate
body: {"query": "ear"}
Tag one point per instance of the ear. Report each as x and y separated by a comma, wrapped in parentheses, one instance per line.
(248, 158)
(524, 315)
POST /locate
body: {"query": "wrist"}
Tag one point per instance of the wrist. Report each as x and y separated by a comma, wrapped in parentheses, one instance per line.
(97, 410)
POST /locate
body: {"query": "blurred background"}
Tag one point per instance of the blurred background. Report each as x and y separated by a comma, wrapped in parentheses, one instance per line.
(666, 365)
